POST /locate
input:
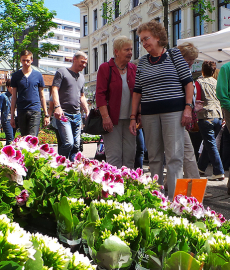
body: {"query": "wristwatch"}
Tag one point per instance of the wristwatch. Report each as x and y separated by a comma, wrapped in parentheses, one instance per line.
(55, 107)
(46, 116)
(190, 104)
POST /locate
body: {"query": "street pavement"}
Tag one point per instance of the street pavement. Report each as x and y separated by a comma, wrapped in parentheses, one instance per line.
(219, 201)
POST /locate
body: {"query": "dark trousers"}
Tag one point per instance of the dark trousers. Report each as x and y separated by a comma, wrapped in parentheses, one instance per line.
(139, 149)
(29, 122)
(9, 132)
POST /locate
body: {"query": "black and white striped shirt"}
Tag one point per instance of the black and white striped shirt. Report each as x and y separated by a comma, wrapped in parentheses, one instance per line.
(160, 84)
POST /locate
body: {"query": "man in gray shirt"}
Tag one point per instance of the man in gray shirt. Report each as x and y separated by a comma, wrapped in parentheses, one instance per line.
(68, 96)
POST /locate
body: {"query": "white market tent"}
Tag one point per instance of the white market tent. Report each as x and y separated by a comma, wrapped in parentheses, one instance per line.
(212, 47)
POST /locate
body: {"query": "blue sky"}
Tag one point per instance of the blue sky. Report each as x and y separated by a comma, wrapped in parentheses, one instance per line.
(65, 9)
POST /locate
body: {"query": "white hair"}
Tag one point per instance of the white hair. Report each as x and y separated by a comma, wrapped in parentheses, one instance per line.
(81, 53)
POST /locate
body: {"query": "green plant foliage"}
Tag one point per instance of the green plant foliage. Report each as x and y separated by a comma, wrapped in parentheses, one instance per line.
(108, 9)
(10, 265)
(15, 17)
(183, 261)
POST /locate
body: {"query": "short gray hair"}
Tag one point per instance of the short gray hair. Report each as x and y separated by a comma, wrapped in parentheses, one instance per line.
(81, 53)
(119, 42)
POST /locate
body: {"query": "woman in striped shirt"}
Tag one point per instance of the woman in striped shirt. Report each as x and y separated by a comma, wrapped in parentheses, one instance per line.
(165, 107)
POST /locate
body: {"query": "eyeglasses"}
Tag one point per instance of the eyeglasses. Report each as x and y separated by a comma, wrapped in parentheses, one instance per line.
(144, 40)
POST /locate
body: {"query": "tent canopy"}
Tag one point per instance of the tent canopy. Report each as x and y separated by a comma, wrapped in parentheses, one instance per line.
(212, 47)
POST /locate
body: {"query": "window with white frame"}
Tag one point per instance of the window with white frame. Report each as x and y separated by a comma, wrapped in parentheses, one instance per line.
(198, 24)
(135, 3)
(116, 8)
(105, 53)
(95, 59)
(104, 13)
(86, 69)
(135, 44)
(176, 26)
(85, 25)
(95, 19)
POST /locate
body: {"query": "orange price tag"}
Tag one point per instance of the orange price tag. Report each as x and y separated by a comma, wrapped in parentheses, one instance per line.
(191, 188)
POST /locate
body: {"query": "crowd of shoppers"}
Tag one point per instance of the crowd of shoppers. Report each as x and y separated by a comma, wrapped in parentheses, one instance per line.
(150, 105)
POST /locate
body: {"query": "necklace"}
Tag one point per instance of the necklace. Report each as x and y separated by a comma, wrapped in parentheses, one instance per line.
(122, 69)
(157, 59)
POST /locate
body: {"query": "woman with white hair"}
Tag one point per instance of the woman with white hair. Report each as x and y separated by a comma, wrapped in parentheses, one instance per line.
(114, 90)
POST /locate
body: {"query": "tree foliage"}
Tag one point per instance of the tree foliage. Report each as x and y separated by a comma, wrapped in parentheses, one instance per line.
(15, 17)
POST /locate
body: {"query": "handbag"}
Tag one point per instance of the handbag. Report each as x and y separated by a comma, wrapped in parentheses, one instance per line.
(94, 122)
(193, 126)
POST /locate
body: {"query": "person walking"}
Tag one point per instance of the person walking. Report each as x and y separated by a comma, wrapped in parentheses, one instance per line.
(5, 104)
(210, 121)
(190, 53)
(68, 96)
(223, 94)
(114, 103)
(165, 108)
(28, 94)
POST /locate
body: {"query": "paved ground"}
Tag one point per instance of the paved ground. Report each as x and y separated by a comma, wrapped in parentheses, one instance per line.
(219, 201)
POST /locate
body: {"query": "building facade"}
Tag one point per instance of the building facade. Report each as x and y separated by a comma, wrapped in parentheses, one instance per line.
(97, 34)
(67, 36)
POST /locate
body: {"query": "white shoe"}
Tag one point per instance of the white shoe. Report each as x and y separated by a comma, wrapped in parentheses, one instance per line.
(219, 177)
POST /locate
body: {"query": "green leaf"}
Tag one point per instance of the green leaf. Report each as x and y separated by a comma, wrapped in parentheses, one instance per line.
(215, 259)
(143, 224)
(9, 265)
(88, 230)
(183, 261)
(17, 191)
(201, 226)
(36, 264)
(153, 261)
(27, 184)
(114, 254)
(107, 221)
(226, 266)
(172, 240)
(93, 213)
(184, 246)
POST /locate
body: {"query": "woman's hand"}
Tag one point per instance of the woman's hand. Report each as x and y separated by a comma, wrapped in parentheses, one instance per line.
(107, 124)
(133, 127)
(187, 116)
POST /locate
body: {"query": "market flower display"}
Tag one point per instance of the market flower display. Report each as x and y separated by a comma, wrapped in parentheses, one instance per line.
(120, 213)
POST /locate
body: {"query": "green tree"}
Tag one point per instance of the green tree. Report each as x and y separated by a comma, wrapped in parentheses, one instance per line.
(15, 17)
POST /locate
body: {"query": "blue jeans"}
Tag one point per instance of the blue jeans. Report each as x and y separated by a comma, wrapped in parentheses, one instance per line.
(209, 130)
(140, 149)
(29, 122)
(8, 131)
(70, 133)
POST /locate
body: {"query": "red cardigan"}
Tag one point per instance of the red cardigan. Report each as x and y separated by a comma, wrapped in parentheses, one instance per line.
(115, 87)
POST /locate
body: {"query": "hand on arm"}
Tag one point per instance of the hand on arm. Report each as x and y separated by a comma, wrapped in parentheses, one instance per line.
(187, 113)
(135, 104)
(43, 103)
(13, 106)
(107, 123)
(58, 112)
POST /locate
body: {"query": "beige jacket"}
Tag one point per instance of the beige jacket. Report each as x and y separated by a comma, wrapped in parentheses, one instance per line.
(211, 106)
